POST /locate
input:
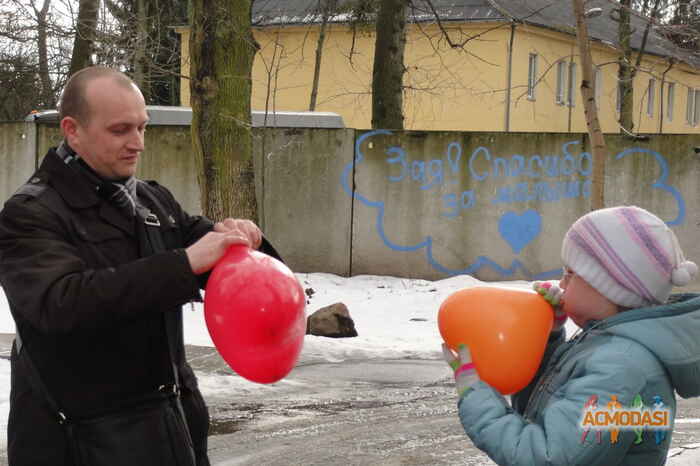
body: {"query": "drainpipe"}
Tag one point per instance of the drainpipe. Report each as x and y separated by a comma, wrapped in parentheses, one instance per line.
(571, 89)
(509, 76)
(661, 108)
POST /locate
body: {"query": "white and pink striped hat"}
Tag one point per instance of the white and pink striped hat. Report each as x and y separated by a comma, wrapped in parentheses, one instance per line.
(628, 255)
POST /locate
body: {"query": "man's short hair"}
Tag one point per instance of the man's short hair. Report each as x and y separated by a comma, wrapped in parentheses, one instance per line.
(73, 101)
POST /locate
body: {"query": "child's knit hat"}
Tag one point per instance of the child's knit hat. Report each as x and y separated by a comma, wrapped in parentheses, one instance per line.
(628, 255)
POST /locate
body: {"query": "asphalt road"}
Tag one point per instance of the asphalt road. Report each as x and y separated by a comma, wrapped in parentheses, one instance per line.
(364, 412)
(369, 412)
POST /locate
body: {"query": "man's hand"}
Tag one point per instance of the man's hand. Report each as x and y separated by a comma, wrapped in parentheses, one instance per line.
(245, 228)
(206, 252)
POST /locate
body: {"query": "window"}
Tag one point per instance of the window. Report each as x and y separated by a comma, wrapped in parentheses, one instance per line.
(532, 76)
(598, 88)
(561, 82)
(690, 106)
(670, 95)
(566, 83)
(692, 109)
(571, 88)
(651, 93)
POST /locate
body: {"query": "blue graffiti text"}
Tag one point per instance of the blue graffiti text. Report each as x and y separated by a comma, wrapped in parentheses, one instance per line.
(543, 191)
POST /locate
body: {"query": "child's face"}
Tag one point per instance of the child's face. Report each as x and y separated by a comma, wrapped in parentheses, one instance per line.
(581, 301)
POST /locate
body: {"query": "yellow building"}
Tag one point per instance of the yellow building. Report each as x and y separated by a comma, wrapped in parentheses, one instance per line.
(515, 68)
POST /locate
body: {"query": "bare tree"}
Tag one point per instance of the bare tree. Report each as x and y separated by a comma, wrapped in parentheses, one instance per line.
(683, 26)
(85, 32)
(326, 8)
(221, 52)
(19, 80)
(47, 93)
(142, 40)
(140, 65)
(627, 69)
(389, 69)
(32, 46)
(598, 147)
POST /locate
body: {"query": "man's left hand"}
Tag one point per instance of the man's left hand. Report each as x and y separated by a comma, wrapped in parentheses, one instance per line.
(245, 227)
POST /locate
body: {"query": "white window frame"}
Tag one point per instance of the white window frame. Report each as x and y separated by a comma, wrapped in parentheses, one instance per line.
(561, 82)
(690, 106)
(670, 97)
(618, 97)
(598, 86)
(532, 76)
(571, 88)
(696, 108)
(651, 97)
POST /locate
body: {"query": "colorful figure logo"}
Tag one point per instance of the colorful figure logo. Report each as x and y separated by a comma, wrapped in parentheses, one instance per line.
(615, 417)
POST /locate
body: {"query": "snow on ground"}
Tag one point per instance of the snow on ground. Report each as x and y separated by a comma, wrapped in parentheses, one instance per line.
(394, 317)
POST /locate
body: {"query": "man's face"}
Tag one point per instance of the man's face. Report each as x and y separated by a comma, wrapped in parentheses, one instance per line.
(112, 138)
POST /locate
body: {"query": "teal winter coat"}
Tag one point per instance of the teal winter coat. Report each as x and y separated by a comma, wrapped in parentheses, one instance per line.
(642, 354)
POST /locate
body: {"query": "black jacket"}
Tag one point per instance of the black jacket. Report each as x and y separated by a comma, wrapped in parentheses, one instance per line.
(89, 308)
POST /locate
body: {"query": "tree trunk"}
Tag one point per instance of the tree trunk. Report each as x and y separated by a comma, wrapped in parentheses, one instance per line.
(47, 95)
(598, 148)
(388, 71)
(84, 42)
(319, 55)
(625, 73)
(140, 46)
(222, 49)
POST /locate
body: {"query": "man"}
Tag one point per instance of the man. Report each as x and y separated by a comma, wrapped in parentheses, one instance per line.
(96, 297)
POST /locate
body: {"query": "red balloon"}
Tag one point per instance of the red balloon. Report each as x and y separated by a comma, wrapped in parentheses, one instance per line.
(254, 310)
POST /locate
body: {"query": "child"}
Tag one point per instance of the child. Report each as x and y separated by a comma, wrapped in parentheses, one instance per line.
(636, 347)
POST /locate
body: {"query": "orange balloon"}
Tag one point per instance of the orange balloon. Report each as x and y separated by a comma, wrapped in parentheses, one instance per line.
(505, 329)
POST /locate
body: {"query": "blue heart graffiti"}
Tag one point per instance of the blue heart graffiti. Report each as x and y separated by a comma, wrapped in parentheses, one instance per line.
(520, 230)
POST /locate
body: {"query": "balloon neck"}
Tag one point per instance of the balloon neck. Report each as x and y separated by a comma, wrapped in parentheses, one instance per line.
(235, 252)
(238, 247)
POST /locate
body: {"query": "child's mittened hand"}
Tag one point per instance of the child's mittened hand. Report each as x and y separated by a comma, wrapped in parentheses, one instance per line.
(463, 367)
(552, 294)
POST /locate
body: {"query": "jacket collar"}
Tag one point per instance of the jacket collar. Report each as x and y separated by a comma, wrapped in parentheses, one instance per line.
(679, 303)
(80, 192)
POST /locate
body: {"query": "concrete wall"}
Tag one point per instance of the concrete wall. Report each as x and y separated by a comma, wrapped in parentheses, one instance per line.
(497, 206)
(448, 203)
(16, 156)
(304, 210)
(167, 157)
(420, 204)
(302, 207)
(47, 135)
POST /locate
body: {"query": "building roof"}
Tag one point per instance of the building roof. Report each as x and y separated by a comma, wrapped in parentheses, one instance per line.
(559, 15)
(287, 12)
(551, 14)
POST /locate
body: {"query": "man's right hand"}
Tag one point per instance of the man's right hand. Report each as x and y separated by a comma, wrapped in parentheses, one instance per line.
(207, 251)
